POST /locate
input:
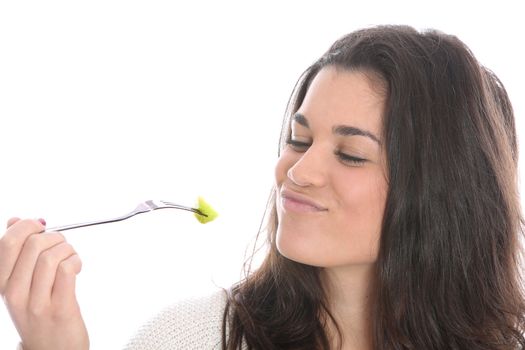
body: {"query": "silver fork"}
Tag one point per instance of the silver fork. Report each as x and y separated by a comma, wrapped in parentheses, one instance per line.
(143, 207)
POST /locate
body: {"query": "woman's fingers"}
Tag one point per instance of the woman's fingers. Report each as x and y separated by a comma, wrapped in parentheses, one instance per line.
(19, 284)
(12, 221)
(11, 245)
(45, 272)
(37, 280)
(63, 295)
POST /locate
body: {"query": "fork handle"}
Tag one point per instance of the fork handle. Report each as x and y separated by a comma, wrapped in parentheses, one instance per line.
(90, 223)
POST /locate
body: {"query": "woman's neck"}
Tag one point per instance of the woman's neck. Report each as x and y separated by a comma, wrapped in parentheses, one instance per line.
(348, 296)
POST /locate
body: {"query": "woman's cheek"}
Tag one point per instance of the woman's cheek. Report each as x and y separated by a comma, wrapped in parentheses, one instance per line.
(284, 163)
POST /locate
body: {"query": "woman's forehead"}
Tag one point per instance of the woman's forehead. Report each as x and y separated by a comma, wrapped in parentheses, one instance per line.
(343, 97)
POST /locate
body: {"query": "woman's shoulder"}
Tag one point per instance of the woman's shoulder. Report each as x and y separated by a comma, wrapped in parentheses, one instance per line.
(192, 323)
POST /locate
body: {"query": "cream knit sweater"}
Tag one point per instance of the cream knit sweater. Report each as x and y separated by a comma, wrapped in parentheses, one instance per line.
(192, 324)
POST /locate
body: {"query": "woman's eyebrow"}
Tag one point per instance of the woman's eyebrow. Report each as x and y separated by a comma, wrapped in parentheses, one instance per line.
(343, 130)
(301, 119)
(346, 130)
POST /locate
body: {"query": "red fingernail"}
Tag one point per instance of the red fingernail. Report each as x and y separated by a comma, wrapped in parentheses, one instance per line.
(42, 221)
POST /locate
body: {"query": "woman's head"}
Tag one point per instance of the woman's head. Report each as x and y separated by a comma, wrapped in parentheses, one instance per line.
(428, 100)
(435, 207)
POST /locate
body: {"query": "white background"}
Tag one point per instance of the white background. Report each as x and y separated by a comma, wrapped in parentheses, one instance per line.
(104, 104)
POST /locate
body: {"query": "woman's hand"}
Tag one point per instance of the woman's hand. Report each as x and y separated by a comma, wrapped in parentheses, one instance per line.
(37, 281)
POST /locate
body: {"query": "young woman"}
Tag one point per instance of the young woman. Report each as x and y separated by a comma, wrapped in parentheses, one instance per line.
(394, 224)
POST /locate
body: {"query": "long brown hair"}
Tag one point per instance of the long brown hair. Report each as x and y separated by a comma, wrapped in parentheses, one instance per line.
(448, 270)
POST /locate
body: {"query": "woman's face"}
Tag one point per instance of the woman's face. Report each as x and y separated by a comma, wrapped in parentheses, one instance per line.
(329, 204)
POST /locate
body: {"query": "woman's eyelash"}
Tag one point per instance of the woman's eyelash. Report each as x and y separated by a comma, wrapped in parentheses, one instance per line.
(295, 143)
(346, 158)
(350, 159)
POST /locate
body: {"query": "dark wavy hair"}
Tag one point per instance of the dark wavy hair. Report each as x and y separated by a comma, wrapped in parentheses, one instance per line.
(447, 274)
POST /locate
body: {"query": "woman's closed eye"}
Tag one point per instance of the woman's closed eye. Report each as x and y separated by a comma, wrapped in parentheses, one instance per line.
(301, 146)
(298, 145)
(346, 158)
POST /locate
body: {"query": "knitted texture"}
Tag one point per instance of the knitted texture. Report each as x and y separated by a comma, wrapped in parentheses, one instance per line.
(191, 324)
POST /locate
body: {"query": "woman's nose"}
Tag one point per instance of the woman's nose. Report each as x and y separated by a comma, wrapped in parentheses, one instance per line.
(309, 170)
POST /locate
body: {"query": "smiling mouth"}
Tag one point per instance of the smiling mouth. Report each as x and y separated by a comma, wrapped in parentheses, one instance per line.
(298, 203)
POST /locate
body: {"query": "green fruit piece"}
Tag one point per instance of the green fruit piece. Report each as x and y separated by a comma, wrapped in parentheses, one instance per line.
(205, 208)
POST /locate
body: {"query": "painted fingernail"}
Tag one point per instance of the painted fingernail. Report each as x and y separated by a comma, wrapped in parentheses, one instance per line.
(42, 221)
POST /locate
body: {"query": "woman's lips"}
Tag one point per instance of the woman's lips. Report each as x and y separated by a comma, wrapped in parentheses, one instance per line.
(299, 203)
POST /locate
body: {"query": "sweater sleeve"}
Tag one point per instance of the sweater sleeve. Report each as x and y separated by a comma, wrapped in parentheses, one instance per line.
(189, 324)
